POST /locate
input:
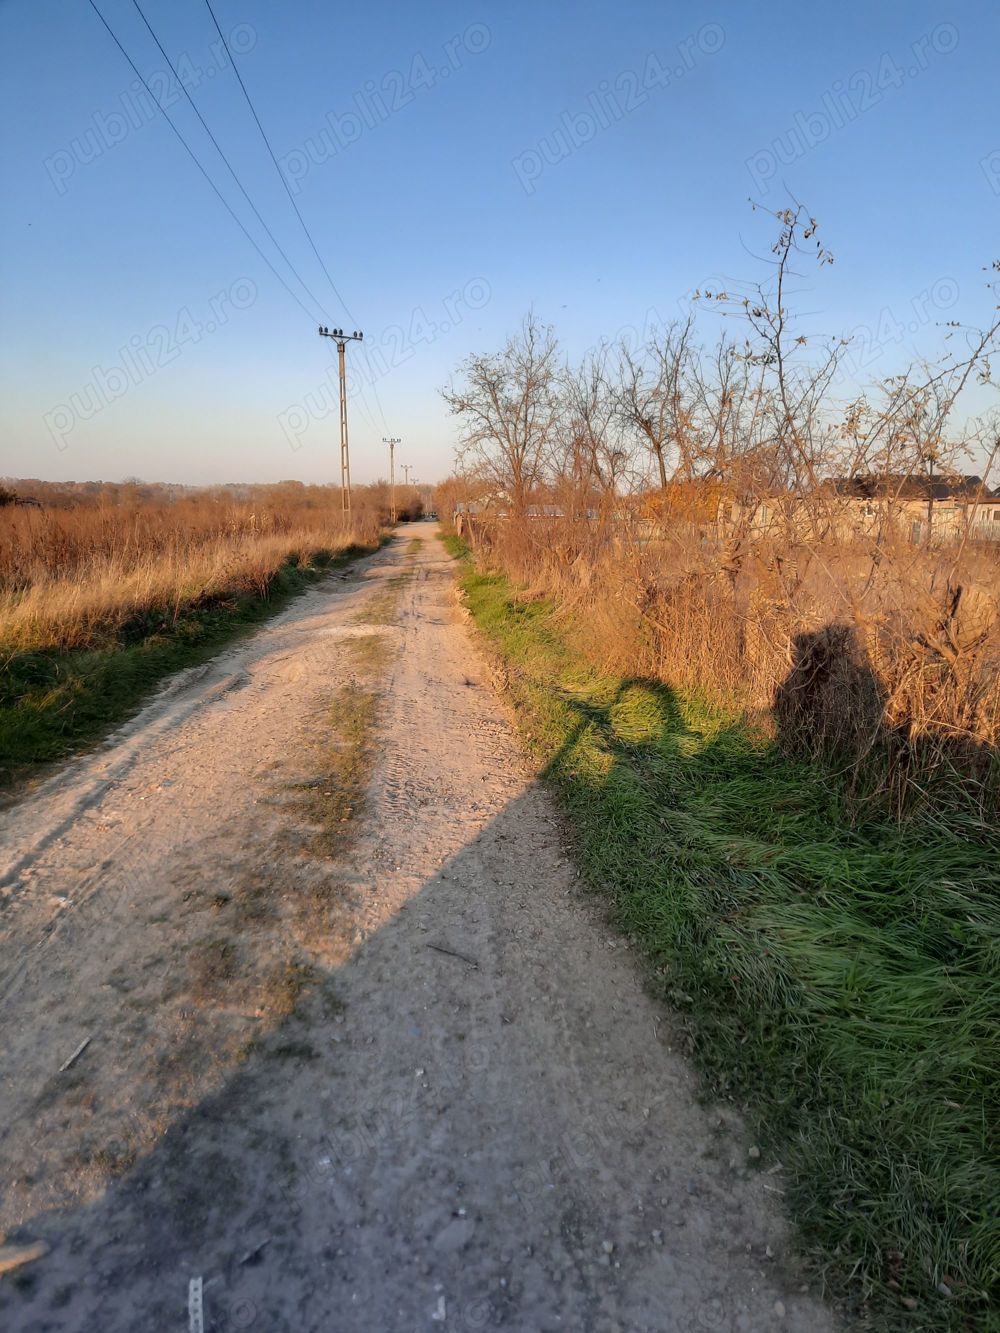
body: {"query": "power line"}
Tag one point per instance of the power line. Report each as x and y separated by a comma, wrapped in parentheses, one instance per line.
(342, 339)
(232, 171)
(378, 400)
(291, 198)
(218, 193)
(277, 166)
(392, 442)
(363, 406)
(194, 158)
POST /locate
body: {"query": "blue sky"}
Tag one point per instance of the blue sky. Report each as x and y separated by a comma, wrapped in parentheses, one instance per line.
(591, 161)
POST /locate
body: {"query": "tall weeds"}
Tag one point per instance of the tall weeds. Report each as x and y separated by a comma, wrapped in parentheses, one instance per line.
(892, 674)
(90, 573)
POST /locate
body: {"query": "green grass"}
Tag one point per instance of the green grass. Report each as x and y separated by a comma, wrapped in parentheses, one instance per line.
(454, 545)
(53, 704)
(344, 754)
(838, 978)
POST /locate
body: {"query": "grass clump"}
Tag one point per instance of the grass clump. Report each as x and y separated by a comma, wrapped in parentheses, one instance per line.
(454, 545)
(334, 800)
(839, 975)
(381, 608)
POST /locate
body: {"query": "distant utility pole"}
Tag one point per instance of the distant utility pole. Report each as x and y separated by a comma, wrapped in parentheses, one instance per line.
(392, 474)
(406, 468)
(342, 339)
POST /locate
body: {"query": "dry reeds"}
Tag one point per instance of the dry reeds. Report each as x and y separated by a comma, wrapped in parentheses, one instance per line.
(893, 668)
(78, 576)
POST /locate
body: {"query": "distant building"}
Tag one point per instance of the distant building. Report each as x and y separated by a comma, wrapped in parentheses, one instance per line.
(942, 507)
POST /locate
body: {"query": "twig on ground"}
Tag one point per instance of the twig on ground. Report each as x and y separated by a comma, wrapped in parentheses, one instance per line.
(440, 948)
(252, 1254)
(76, 1055)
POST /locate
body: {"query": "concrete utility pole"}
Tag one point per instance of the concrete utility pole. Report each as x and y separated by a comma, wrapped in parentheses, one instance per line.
(392, 474)
(406, 468)
(342, 339)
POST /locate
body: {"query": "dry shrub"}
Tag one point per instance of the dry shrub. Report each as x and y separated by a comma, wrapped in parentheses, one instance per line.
(890, 667)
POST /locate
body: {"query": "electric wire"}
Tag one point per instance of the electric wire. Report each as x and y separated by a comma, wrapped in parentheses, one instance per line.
(196, 160)
(218, 193)
(291, 198)
(232, 171)
(277, 165)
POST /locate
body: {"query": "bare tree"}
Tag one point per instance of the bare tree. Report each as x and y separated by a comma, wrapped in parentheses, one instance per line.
(653, 400)
(594, 454)
(509, 408)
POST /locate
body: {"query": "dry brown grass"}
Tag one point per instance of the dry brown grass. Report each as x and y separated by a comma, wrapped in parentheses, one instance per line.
(891, 666)
(81, 576)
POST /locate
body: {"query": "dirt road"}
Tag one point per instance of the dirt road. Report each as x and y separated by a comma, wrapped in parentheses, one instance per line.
(356, 1064)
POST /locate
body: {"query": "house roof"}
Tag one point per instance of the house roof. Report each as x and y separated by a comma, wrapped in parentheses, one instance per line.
(899, 486)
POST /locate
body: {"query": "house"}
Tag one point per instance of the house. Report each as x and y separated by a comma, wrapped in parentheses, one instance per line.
(985, 519)
(942, 507)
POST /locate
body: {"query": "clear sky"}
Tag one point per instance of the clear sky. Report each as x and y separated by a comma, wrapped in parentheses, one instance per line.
(457, 163)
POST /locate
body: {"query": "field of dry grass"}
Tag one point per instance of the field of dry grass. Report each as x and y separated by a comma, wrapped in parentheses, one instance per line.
(95, 573)
(105, 590)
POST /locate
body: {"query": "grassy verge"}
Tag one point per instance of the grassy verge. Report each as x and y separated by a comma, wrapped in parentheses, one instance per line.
(838, 978)
(454, 545)
(53, 703)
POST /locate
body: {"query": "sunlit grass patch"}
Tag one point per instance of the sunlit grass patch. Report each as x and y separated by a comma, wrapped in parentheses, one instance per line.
(381, 607)
(342, 739)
